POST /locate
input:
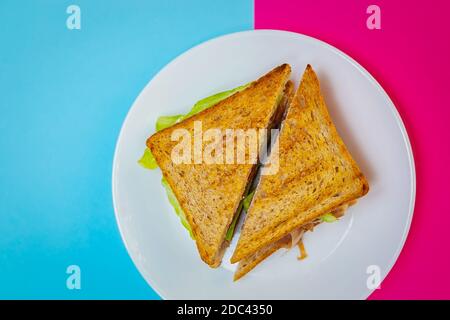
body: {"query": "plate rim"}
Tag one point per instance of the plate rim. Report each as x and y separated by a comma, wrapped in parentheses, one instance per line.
(292, 34)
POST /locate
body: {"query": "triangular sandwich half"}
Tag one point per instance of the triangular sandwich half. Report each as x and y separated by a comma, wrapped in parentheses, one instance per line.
(316, 176)
(210, 194)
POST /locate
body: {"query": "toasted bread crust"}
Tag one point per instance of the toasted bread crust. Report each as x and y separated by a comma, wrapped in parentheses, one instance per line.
(249, 263)
(210, 194)
(316, 175)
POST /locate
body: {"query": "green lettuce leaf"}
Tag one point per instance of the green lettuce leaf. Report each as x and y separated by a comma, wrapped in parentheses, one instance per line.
(248, 199)
(232, 226)
(212, 100)
(244, 203)
(328, 217)
(176, 205)
(167, 121)
(147, 160)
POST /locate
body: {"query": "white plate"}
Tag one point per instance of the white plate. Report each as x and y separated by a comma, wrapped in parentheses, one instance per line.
(340, 254)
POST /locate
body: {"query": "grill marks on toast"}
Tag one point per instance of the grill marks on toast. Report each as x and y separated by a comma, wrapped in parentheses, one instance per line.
(317, 174)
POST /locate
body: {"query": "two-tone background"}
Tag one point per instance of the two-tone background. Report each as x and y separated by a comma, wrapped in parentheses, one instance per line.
(65, 92)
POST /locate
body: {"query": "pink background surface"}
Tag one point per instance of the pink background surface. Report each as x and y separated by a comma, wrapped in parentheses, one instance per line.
(410, 58)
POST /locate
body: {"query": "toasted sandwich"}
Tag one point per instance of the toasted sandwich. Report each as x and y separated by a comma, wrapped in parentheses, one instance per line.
(317, 177)
(210, 194)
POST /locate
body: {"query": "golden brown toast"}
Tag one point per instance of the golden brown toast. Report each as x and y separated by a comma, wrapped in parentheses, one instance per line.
(316, 175)
(210, 194)
(288, 241)
(247, 264)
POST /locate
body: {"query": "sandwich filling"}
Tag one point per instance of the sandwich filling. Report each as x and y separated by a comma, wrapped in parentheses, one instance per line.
(290, 240)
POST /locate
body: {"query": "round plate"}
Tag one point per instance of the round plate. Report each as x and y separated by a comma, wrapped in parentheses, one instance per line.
(345, 257)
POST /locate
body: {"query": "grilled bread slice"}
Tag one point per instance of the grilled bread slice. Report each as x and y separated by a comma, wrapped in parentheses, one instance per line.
(210, 194)
(316, 175)
(288, 241)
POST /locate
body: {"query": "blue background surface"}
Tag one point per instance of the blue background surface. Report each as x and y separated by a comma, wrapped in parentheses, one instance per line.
(63, 96)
